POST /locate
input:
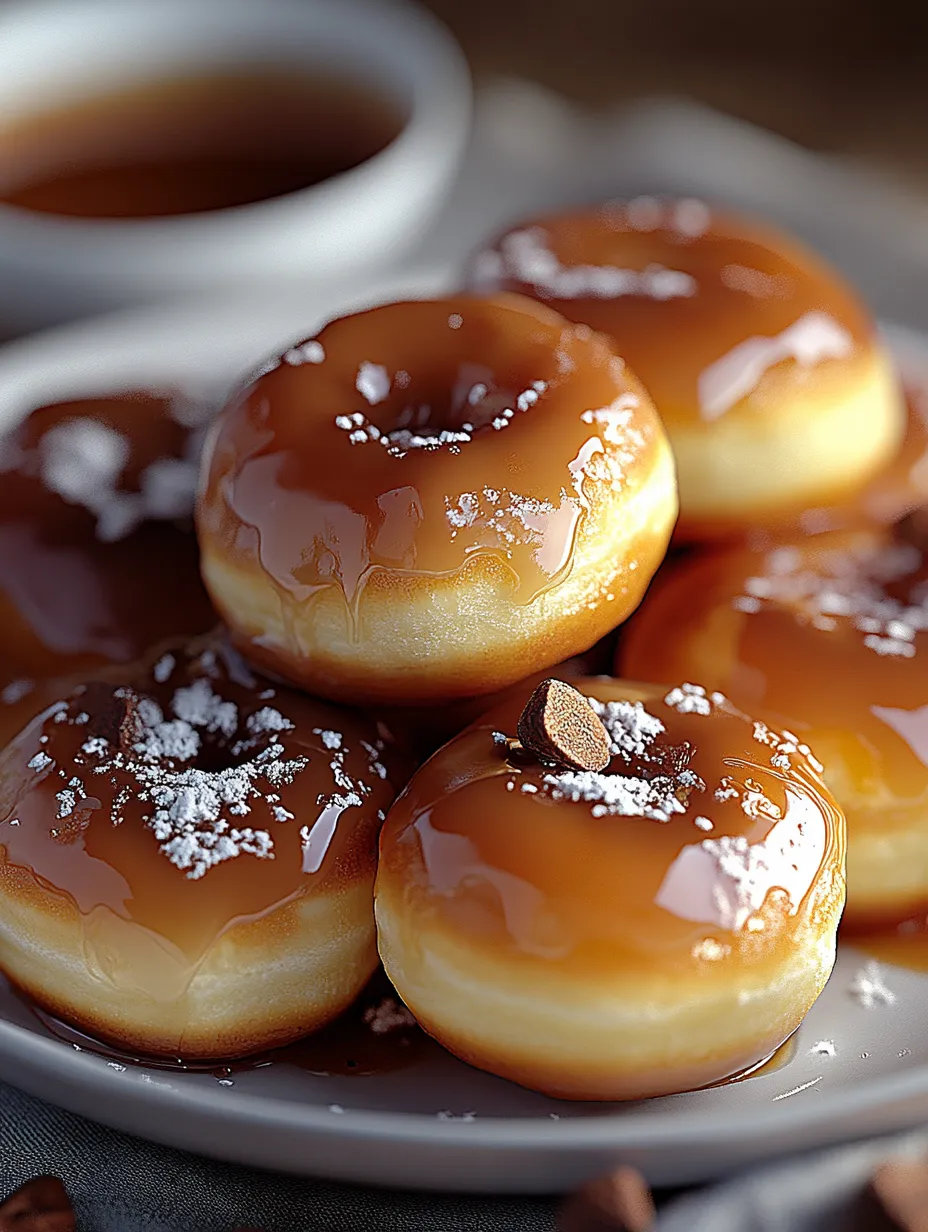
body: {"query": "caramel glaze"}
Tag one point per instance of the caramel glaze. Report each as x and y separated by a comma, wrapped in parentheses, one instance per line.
(102, 860)
(97, 556)
(830, 635)
(290, 496)
(487, 849)
(706, 308)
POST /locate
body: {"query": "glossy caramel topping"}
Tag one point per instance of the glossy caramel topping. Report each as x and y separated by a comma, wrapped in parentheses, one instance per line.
(184, 800)
(708, 310)
(97, 556)
(709, 840)
(208, 142)
(831, 635)
(412, 438)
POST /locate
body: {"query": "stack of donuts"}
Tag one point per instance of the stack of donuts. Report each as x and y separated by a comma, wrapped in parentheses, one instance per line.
(410, 725)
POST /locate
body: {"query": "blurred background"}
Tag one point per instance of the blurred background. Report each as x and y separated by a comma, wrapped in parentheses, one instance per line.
(840, 76)
(811, 112)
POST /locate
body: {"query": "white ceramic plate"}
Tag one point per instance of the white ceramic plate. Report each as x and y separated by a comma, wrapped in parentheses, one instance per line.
(439, 1124)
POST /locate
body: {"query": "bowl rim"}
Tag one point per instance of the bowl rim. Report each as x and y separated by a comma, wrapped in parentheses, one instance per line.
(423, 68)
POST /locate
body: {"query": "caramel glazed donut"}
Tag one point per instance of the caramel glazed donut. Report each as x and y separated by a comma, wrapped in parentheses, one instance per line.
(829, 634)
(634, 932)
(767, 371)
(187, 858)
(432, 500)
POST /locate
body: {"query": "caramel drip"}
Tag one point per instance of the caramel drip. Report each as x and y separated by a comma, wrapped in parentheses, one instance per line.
(742, 870)
(703, 307)
(374, 1036)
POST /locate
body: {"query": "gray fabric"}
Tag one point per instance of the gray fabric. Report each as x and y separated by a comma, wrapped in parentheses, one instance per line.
(121, 1184)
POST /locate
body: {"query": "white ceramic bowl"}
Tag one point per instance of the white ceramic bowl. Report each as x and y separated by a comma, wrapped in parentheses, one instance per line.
(52, 51)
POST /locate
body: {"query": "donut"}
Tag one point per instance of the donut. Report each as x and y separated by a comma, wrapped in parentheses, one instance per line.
(830, 635)
(433, 500)
(98, 560)
(645, 929)
(765, 368)
(187, 857)
(898, 489)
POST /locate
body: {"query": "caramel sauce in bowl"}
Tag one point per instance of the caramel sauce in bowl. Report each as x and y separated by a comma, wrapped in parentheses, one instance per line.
(298, 182)
(196, 144)
(704, 865)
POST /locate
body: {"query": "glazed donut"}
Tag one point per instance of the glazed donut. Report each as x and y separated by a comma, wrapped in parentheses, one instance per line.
(897, 490)
(97, 556)
(432, 500)
(773, 386)
(829, 634)
(187, 857)
(635, 932)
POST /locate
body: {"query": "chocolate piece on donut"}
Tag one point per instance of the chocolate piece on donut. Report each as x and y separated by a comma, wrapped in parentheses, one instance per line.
(654, 927)
(767, 371)
(830, 634)
(187, 856)
(559, 725)
(618, 1202)
(434, 500)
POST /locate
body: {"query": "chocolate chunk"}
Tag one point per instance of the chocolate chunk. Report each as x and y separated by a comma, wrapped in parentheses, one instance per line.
(41, 1205)
(895, 1200)
(619, 1202)
(559, 725)
(913, 528)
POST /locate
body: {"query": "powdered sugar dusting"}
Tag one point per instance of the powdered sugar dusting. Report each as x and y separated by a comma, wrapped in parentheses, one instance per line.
(373, 383)
(200, 706)
(689, 699)
(15, 691)
(868, 988)
(163, 668)
(312, 352)
(632, 732)
(388, 1015)
(526, 256)
(631, 728)
(823, 1048)
(82, 460)
(848, 588)
(199, 817)
(617, 795)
